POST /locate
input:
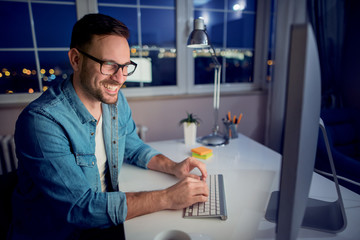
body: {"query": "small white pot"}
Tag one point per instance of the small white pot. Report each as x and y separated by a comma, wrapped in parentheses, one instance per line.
(189, 133)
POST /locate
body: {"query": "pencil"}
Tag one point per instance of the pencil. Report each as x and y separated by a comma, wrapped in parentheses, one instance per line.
(240, 116)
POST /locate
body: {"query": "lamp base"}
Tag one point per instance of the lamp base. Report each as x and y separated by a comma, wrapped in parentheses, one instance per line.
(214, 139)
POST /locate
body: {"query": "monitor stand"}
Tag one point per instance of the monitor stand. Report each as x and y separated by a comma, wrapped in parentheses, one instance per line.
(319, 215)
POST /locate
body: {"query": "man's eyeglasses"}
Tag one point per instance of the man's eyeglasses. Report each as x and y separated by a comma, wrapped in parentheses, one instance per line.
(111, 68)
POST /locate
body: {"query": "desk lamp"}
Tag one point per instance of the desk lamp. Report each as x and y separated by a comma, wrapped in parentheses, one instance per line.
(199, 39)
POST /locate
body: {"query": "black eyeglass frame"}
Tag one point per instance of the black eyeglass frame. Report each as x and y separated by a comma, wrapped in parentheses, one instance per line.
(101, 62)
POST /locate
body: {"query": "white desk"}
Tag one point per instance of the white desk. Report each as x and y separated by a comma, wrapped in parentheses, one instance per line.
(251, 173)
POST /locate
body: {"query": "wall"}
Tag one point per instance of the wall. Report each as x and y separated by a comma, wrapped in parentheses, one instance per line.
(162, 114)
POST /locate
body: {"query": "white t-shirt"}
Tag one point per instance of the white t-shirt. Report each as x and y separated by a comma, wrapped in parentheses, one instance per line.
(100, 154)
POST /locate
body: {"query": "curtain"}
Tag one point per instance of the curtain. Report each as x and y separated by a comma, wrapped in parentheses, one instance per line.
(328, 20)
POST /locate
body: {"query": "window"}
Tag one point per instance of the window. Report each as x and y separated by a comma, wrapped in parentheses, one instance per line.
(152, 25)
(34, 56)
(231, 29)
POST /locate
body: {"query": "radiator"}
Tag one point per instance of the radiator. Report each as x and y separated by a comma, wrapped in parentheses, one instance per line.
(8, 160)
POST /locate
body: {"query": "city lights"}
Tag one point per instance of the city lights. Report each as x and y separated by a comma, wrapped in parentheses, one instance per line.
(21, 74)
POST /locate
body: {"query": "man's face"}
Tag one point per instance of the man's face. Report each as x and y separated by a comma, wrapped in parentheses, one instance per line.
(94, 85)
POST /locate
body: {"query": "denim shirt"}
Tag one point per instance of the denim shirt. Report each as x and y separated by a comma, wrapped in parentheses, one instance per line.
(59, 190)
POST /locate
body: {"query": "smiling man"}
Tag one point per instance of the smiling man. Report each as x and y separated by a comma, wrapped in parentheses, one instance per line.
(72, 141)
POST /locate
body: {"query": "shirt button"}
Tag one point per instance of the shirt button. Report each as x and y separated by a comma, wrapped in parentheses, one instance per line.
(93, 163)
(114, 166)
(114, 142)
(92, 134)
(114, 118)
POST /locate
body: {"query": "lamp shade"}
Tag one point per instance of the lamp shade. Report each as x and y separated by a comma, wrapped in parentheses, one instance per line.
(198, 37)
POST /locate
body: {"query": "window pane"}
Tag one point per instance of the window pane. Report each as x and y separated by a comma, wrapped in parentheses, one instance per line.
(18, 72)
(155, 54)
(246, 5)
(64, 1)
(169, 3)
(241, 30)
(204, 67)
(214, 4)
(118, 1)
(162, 65)
(15, 28)
(160, 30)
(236, 53)
(54, 66)
(239, 66)
(126, 15)
(53, 24)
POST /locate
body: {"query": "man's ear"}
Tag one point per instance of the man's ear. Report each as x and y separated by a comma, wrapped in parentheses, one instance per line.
(74, 58)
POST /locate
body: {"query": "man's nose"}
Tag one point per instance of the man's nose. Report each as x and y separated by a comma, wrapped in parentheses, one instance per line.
(119, 77)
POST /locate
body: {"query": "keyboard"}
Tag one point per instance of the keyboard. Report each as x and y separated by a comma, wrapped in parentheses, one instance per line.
(215, 207)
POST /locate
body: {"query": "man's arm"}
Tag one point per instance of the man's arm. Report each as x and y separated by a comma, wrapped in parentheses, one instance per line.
(186, 192)
(189, 190)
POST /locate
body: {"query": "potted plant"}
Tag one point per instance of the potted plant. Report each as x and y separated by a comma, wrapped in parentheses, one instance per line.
(190, 124)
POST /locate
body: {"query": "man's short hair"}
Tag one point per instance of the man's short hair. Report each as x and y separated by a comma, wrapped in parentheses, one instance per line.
(96, 24)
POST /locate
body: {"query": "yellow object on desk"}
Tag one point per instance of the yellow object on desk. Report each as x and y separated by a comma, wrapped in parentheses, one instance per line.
(206, 156)
(202, 152)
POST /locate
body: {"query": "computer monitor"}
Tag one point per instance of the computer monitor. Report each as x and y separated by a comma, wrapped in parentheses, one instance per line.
(290, 207)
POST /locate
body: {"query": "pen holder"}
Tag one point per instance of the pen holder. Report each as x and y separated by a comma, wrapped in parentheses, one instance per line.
(231, 131)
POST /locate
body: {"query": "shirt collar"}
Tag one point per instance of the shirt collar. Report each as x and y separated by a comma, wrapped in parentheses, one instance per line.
(75, 102)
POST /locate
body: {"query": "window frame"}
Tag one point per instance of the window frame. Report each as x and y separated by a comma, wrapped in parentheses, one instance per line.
(184, 60)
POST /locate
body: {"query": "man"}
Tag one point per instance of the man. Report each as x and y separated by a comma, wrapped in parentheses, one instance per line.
(72, 141)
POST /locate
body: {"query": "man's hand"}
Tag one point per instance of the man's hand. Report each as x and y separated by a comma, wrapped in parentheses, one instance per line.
(180, 170)
(183, 169)
(187, 192)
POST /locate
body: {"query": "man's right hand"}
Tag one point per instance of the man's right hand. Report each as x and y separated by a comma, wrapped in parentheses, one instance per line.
(186, 192)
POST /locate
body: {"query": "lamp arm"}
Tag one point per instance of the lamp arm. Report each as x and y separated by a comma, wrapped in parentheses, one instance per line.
(213, 55)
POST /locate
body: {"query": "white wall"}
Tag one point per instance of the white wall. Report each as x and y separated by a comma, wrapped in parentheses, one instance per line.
(162, 114)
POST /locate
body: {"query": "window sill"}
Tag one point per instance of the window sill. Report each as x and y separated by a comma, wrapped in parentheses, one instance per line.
(196, 95)
(17, 99)
(23, 99)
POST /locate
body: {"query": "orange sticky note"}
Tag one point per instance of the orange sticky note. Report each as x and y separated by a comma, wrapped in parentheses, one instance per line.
(201, 150)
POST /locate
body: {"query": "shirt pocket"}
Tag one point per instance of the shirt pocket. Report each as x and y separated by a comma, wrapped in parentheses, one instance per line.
(85, 160)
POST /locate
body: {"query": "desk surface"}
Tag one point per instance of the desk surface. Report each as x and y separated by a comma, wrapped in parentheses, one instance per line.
(251, 173)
